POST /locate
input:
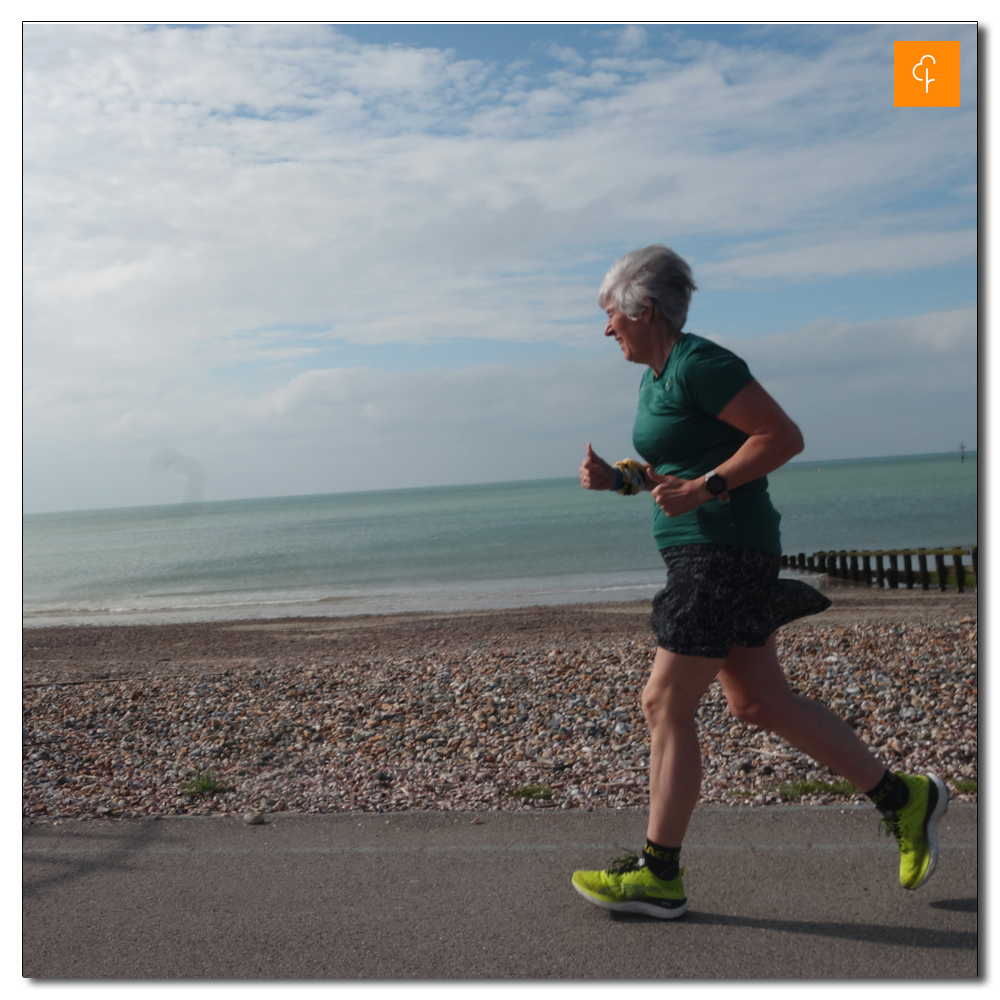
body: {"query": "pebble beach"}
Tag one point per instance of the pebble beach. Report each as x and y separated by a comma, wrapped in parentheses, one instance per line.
(532, 708)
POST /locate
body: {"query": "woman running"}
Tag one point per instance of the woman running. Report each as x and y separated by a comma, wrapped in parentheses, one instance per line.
(709, 435)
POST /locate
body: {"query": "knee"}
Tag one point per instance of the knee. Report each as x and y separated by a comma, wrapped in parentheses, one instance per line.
(664, 704)
(650, 705)
(761, 712)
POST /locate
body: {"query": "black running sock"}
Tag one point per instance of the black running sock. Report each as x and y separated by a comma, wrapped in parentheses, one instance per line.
(663, 862)
(890, 794)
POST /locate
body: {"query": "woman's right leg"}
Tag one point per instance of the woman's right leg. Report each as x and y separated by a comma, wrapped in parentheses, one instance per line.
(912, 805)
(758, 693)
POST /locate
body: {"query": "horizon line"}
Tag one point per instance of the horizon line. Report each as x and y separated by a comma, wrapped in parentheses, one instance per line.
(971, 452)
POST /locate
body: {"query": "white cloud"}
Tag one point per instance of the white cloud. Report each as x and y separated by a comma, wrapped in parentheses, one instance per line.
(567, 55)
(851, 387)
(632, 38)
(204, 205)
(869, 253)
(918, 349)
(899, 386)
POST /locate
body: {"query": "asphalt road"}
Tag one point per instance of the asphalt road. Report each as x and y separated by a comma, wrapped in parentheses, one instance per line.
(780, 892)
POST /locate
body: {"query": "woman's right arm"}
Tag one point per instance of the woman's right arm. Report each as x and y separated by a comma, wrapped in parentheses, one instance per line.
(595, 473)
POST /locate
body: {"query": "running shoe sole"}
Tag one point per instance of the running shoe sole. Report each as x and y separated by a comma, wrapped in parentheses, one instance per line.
(931, 825)
(667, 910)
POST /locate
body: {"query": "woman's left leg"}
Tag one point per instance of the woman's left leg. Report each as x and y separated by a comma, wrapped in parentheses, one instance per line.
(653, 885)
(669, 703)
(758, 693)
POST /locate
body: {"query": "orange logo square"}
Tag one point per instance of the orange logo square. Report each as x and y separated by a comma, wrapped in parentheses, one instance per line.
(925, 74)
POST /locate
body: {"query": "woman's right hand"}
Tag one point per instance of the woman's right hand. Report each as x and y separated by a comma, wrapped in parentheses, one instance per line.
(595, 473)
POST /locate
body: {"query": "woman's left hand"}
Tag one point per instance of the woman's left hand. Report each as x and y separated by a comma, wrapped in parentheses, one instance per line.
(676, 496)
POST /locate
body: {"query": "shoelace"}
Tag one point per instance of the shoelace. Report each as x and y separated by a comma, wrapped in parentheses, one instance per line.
(627, 861)
(890, 827)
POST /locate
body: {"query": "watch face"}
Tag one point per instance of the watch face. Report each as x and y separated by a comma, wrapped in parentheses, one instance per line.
(715, 484)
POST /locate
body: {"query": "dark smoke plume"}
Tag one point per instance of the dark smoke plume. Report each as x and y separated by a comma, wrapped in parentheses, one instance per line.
(169, 460)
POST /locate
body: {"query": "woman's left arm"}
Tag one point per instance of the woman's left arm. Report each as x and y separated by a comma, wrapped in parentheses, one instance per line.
(773, 438)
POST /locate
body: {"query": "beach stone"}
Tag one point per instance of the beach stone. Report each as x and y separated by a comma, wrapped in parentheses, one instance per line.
(228, 711)
(253, 818)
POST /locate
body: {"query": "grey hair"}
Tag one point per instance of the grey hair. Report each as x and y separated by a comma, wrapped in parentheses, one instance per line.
(655, 273)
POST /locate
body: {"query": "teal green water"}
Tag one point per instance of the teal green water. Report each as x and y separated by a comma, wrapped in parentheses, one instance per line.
(493, 545)
(904, 501)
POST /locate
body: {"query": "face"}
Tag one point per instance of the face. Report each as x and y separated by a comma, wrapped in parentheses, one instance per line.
(631, 334)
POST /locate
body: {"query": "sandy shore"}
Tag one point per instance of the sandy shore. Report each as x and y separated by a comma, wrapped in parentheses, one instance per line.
(461, 710)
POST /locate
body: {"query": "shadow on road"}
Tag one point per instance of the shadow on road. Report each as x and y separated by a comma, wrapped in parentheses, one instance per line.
(70, 868)
(957, 905)
(911, 937)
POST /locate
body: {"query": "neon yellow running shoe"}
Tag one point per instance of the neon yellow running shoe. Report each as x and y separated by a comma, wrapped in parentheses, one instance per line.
(915, 827)
(628, 886)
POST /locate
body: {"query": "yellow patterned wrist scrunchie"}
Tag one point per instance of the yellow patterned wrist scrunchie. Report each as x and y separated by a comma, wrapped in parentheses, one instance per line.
(633, 477)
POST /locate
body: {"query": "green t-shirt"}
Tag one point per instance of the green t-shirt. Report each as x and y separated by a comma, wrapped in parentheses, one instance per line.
(677, 432)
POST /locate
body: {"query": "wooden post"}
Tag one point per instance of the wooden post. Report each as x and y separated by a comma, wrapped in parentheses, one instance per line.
(802, 560)
(908, 570)
(810, 563)
(821, 561)
(843, 565)
(942, 570)
(866, 569)
(879, 570)
(975, 564)
(925, 577)
(855, 574)
(959, 572)
(784, 561)
(893, 573)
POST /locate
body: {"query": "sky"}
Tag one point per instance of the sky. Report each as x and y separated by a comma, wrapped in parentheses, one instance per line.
(266, 260)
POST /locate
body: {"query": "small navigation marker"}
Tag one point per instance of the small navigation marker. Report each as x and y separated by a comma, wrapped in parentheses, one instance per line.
(961, 452)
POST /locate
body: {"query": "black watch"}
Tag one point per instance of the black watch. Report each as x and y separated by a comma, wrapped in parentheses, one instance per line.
(715, 484)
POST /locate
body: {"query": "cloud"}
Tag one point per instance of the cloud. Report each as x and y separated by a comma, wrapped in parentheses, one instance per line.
(263, 171)
(854, 253)
(566, 54)
(632, 38)
(208, 210)
(899, 386)
(933, 349)
(851, 387)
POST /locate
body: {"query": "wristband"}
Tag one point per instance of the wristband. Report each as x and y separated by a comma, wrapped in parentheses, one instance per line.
(631, 478)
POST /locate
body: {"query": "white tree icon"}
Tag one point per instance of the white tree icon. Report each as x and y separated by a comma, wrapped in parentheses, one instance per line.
(926, 79)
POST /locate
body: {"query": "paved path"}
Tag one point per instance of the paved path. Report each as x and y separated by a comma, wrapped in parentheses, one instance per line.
(775, 893)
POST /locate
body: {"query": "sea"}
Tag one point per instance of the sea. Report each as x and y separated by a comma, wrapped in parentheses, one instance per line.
(495, 545)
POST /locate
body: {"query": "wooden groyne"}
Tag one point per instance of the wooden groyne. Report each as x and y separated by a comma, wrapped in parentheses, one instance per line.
(880, 567)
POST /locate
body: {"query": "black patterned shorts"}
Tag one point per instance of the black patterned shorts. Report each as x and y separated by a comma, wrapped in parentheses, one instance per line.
(720, 596)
